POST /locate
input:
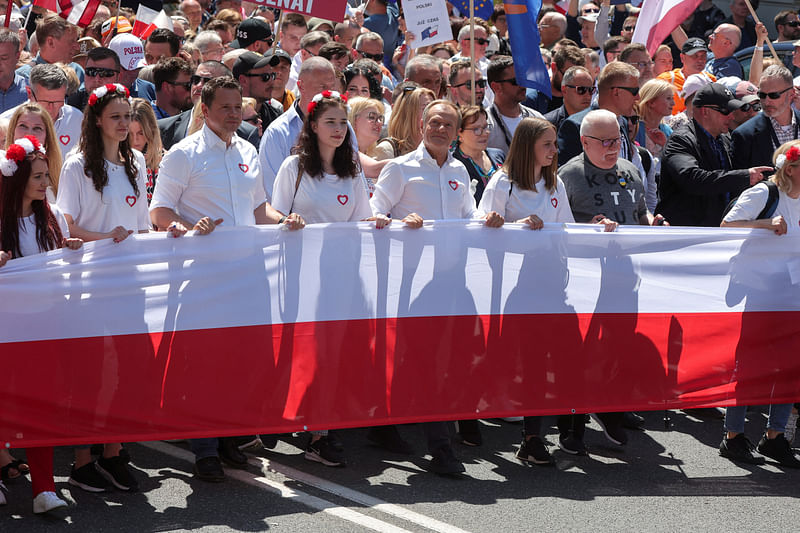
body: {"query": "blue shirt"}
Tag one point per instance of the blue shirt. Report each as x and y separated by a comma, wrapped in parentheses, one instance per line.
(25, 70)
(724, 66)
(15, 95)
(276, 145)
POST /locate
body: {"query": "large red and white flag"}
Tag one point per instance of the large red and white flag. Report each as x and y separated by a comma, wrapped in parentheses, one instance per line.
(78, 12)
(658, 18)
(150, 15)
(259, 330)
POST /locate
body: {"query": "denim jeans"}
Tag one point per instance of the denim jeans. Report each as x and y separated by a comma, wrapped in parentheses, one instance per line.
(778, 415)
(202, 448)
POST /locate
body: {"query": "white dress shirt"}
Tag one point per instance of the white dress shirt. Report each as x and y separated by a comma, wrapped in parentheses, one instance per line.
(415, 183)
(67, 126)
(201, 176)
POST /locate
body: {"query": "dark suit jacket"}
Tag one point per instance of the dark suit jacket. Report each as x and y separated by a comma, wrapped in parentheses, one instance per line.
(694, 190)
(557, 116)
(752, 142)
(173, 130)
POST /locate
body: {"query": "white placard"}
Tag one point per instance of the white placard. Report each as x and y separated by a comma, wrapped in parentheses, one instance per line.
(428, 21)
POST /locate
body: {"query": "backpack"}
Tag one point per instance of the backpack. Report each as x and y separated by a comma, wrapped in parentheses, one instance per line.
(769, 209)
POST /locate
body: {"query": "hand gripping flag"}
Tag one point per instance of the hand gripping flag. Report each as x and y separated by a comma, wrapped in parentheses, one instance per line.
(78, 12)
(523, 31)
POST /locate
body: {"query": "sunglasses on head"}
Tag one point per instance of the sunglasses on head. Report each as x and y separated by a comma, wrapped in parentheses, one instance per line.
(468, 84)
(772, 96)
(582, 89)
(265, 77)
(100, 72)
(378, 58)
(633, 90)
(480, 40)
(199, 79)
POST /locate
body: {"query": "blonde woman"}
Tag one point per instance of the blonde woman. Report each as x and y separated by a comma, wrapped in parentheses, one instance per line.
(655, 103)
(405, 125)
(250, 114)
(143, 135)
(32, 119)
(366, 117)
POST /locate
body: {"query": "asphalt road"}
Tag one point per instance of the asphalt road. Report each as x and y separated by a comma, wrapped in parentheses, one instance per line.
(663, 480)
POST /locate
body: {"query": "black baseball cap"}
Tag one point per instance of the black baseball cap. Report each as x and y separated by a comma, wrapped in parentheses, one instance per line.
(273, 57)
(695, 44)
(251, 30)
(716, 95)
(245, 63)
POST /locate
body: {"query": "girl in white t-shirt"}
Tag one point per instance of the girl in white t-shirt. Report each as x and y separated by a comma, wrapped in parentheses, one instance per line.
(102, 190)
(28, 226)
(102, 193)
(33, 119)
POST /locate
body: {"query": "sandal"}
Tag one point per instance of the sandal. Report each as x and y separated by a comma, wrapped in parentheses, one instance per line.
(17, 465)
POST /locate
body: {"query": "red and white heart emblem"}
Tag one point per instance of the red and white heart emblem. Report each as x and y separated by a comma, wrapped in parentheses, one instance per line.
(453, 184)
(342, 198)
(64, 139)
(554, 201)
(130, 200)
(244, 168)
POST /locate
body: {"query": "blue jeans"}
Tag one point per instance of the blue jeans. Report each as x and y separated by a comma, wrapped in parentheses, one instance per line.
(202, 448)
(778, 415)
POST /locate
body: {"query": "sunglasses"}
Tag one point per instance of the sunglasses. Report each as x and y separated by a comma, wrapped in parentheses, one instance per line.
(100, 72)
(199, 79)
(633, 90)
(792, 23)
(480, 40)
(755, 106)
(265, 77)
(378, 58)
(512, 81)
(468, 84)
(254, 120)
(629, 28)
(590, 10)
(581, 89)
(607, 143)
(185, 84)
(772, 96)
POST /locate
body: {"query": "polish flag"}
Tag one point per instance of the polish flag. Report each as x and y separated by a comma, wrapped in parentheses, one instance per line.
(658, 18)
(149, 16)
(78, 12)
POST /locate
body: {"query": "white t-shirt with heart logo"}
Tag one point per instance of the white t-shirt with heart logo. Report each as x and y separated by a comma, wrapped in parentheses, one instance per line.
(67, 126)
(515, 203)
(117, 206)
(326, 199)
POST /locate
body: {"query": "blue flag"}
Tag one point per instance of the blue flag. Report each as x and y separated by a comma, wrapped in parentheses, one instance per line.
(483, 8)
(523, 32)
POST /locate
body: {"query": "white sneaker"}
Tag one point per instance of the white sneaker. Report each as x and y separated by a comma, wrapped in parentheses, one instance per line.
(47, 501)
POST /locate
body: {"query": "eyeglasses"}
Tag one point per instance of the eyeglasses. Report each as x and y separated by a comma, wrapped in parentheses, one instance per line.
(721, 110)
(512, 81)
(312, 54)
(47, 102)
(607, 143)
(199, 79)
(185, 84)
(468, 84)
(375, 118)
(582, 89)
(254, 120)
(772, 96)
(633, 90)
(480, 40)
(265, 77)
(629, 28)
(100, 72)
(755, 106)
(378, 58)
(487, 129)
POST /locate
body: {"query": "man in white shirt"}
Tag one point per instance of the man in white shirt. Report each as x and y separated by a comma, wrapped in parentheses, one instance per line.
(48, 88)
(210, 177)
(429, 183)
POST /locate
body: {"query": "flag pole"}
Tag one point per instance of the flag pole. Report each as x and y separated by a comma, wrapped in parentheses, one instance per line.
(277, 28)
(28, 16)
(116, 24)
(9, 7)
(755, 19)
(473, 63)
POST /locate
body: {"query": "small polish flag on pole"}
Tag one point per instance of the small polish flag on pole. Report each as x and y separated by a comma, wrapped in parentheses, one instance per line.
(78, 12)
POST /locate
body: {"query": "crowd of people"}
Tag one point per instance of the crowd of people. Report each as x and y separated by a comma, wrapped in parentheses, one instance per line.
(243, 115)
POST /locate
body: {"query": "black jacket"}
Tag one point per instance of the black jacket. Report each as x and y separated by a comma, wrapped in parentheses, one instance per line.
(694, 190)
(174, 129)
(557, 116)
(753, 141)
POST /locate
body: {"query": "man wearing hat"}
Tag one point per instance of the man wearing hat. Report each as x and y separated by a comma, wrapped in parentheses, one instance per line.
(103, 66)
(257, 76)
(694, 54)
(254, 35)
(698, 177)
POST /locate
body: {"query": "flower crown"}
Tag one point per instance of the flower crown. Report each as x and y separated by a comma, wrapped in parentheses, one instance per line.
(792, 155)
(325, 94)
(22, 148)
(103, 90)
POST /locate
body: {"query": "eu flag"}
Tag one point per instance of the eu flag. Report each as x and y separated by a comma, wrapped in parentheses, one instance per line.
(483, 8)
(523, 32)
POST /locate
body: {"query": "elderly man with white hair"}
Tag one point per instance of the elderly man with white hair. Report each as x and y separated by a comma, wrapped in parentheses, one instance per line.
(209, 43)
(552, 27)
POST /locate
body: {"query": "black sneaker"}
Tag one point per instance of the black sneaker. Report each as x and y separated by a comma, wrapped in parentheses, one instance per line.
(534, 451)
(778, 449)
(388, 438)
(209, 469)
(443, 461)
(88, 478)
(571, 444)
(321, 451)
(115, 471)
(615, 434)
(230, 454)
(470, 432)
(740, 449)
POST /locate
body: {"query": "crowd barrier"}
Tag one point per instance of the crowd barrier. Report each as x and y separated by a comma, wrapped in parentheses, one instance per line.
(262, 330)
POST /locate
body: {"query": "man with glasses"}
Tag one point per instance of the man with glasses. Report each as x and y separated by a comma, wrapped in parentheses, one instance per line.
(698, 175)
(103, 66)
(787, 25)
(751, 105)
(256, 74)
(694, 54)
(172, 78)
(460, 84)
(210, 46)
(48, 87)
(465, 46)
(721, 45)
(636, 54)
(309, 47)
(425, 70)
(175, 129)
(578, 87)
(507, 111)
(552, 27)
(755, 141)
(253, 34)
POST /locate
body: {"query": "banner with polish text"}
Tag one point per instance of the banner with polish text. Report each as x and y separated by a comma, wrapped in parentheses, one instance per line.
(332, 10)
(260, 330)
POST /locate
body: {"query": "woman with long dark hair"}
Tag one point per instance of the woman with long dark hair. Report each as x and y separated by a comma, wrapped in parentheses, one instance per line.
(30, 225)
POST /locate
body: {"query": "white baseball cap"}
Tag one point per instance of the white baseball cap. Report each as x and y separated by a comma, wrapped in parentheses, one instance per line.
(130, 50)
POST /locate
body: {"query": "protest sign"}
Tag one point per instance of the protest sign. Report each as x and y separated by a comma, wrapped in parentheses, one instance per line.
(428, 21)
